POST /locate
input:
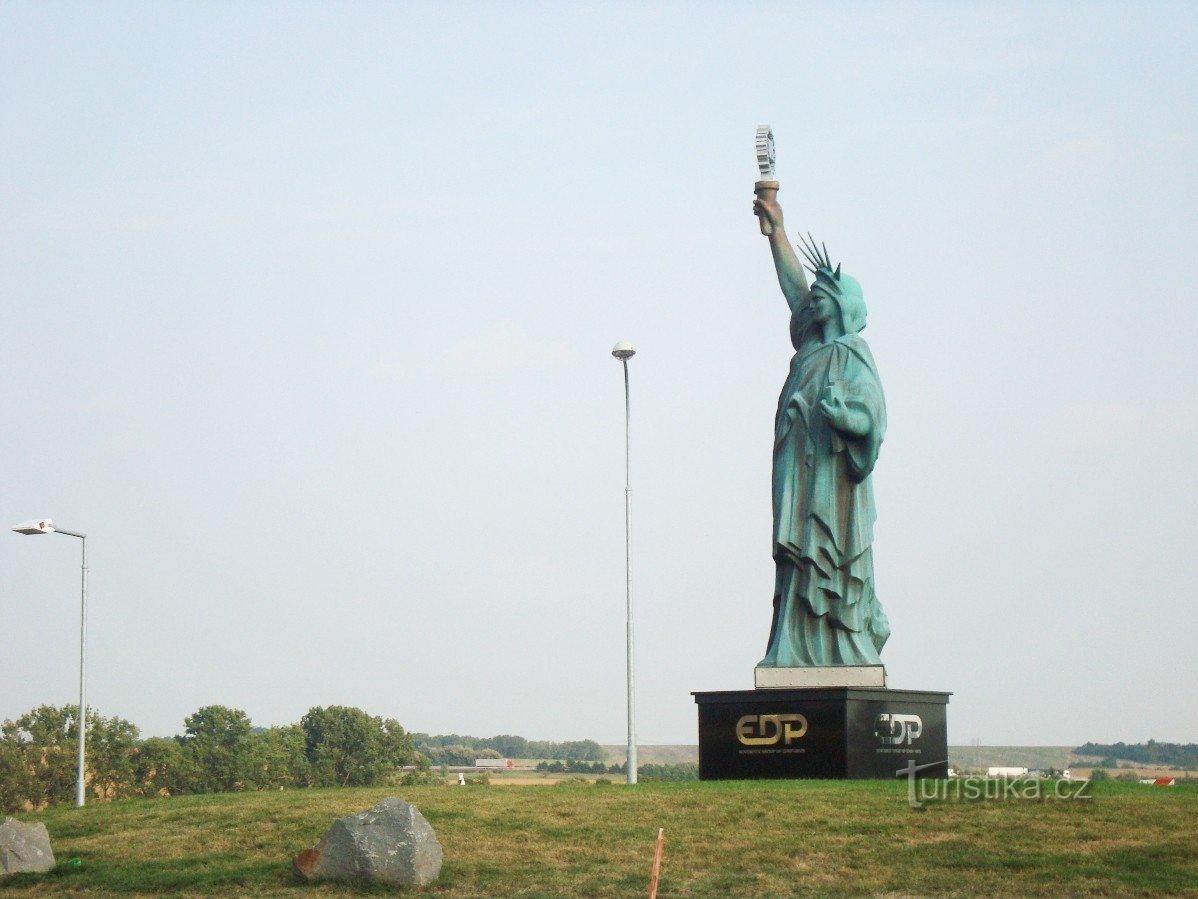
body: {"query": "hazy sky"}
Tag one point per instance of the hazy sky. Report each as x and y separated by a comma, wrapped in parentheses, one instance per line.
(307, 318)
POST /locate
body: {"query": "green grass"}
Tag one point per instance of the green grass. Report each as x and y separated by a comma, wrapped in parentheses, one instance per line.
(722, 839)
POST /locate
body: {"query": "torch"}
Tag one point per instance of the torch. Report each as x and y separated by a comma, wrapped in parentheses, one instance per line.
(767, 188)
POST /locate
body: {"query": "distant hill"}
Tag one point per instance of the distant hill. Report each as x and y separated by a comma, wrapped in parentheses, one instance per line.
(1011, 757)
(1175, 755)
(654, 755)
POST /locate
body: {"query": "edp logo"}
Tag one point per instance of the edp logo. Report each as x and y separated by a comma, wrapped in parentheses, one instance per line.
(895, 730)
(765, 730)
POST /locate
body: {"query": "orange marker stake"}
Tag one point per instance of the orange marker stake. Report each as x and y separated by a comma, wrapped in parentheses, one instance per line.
(656, 875)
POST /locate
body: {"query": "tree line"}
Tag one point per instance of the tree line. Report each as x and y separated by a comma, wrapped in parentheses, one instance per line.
(457, 749)
(648, 771)
(219, 751)
(1174, 755)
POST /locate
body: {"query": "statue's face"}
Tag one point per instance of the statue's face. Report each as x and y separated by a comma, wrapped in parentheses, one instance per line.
(823, 307)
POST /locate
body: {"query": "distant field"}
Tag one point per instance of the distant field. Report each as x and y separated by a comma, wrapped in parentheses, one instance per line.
(1010, 756)
(756, 838)
(655, 755)
(959, 757)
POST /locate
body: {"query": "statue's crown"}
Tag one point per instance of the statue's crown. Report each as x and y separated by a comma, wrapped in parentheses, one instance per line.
(844, 288)
(817, 256)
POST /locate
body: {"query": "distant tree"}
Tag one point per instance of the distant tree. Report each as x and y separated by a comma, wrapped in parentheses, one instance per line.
(111, 754)
(1176, 755)
(581, 750)
(160, 768)
(217, 743)
(17, 784)
(347, 747)
(449, 754)
(278, 758)
(508, 746)
(458, 749)
(46, 742)
(40, 757)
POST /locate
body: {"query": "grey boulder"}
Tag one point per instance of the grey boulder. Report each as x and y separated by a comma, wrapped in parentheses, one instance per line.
(24, 848)
(390, 843)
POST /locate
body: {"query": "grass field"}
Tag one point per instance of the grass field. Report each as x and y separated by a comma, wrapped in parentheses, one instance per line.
(778, 838)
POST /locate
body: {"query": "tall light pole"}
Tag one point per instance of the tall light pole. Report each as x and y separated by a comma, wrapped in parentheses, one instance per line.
(46, 526)
(624, 351)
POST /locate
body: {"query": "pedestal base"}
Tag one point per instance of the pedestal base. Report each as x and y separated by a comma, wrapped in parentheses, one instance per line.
(822, 732)
(826, 676)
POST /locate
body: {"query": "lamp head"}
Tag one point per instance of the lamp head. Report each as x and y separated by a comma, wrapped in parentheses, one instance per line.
(40, 526)
(623, 350)
(766, 157)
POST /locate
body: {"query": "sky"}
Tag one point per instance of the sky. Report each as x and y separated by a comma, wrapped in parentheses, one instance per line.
(307, 318)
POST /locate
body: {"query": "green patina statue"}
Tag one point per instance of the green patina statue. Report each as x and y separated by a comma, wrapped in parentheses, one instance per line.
(830, 423)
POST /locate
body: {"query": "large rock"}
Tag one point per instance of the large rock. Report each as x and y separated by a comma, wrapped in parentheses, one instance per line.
(24, 848)
(390, 843)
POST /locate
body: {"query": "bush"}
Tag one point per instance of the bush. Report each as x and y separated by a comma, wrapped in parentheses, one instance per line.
(217, 744)
(348, 748)
(277, 759)
(39, 754)
(421, 775)
(161, 769)
(667, 772)
(17, 785)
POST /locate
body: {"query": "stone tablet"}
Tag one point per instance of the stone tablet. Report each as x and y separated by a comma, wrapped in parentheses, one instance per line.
(390, 843)
(24, 848)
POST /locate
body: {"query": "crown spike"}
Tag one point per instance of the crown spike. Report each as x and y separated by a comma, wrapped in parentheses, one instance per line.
(817, 254)
(823, 258)
(809, 251)
(815, 248)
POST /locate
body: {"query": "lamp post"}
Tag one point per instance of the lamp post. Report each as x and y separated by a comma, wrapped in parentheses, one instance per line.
(46, 526)
(624, 351)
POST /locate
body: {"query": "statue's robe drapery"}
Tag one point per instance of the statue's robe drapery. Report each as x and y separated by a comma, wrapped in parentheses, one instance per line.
(825, 609)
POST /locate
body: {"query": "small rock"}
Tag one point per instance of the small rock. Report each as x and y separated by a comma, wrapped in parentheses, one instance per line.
(390, 843)
(24, 848)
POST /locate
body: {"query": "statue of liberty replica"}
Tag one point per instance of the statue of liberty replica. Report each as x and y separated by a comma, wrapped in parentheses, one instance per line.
(820, 706)
(829, 427)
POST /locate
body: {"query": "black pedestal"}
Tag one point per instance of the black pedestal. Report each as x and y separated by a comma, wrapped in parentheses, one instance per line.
(831, 732)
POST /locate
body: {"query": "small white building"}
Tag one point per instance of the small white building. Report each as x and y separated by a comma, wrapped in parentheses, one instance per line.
(1006, 772)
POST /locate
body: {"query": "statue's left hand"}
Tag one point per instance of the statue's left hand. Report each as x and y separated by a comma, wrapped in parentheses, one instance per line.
(854, 422)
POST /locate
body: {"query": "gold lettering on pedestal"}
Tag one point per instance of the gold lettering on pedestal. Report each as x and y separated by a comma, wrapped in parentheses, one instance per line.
(766, 730)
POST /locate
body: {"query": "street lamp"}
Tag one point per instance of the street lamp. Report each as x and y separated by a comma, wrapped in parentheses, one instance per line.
(46, 526)
(624, 351)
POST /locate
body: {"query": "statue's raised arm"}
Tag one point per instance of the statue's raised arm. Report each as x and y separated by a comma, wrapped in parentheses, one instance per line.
(791, 278)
